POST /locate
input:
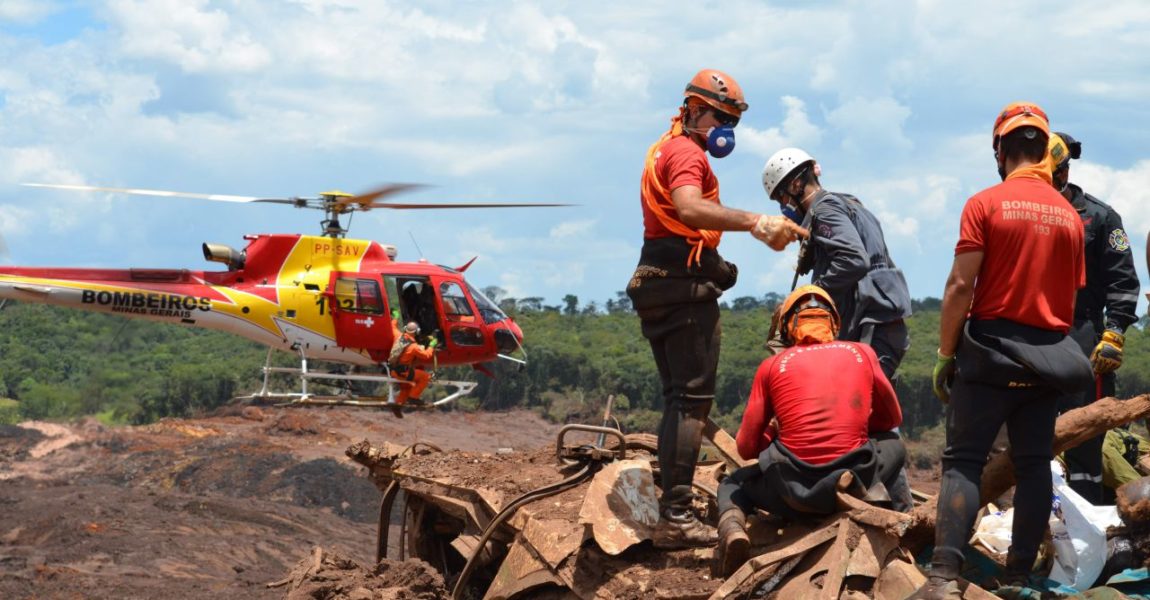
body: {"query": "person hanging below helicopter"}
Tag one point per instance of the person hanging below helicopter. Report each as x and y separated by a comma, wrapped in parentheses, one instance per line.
(407, 361)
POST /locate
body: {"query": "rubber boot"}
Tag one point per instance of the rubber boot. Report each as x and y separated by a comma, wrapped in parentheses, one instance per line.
(937, 588)
(734, 545)
(1014, 583)
(679, 529)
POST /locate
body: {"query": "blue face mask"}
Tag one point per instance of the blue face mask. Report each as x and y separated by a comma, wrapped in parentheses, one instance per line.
(721, 141)
(792, 214)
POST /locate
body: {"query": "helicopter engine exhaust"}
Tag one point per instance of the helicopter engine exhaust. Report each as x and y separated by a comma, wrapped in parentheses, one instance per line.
(224, 254)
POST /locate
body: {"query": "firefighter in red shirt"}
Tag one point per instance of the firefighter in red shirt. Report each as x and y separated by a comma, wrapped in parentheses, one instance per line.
(679, 278)
(806, 429)
(1004, 356)
(408, 359)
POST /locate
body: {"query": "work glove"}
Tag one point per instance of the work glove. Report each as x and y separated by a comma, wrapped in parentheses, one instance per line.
(943, 377)
(1107, 355)
(777, 231)
(433, 343)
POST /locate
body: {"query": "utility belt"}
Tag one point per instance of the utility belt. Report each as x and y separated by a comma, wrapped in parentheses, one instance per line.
(664, 277)
(1007, 354)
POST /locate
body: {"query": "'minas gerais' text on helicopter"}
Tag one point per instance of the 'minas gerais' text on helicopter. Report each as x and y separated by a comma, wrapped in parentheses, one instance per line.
(326, 297)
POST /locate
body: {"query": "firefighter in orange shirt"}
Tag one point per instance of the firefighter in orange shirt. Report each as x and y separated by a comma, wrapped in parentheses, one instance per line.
(408, 359)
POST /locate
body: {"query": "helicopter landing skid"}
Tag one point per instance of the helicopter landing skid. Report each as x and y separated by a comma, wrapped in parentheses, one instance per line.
(461, 388)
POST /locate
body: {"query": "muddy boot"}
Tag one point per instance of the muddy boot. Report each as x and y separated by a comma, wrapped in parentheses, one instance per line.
(1014, 584)
(734, 545)
(937, 588)
(678, 529)
(397, 410)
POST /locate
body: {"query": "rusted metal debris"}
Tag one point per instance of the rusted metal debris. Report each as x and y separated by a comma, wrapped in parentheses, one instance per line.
(590, 540)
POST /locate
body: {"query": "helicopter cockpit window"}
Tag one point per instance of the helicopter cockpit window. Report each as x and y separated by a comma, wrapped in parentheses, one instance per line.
(358, 295)
(455, 305)
(487, 309)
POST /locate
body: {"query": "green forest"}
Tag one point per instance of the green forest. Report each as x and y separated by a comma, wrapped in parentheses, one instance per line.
(58, 363)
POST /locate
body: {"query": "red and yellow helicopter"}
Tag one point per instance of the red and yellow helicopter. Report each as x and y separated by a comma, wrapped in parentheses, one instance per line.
(324, 298)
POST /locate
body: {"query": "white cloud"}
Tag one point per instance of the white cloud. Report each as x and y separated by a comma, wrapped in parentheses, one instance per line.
(796, 129)
(573, 229)
(27, 11)
(871, 125)
(187, 33)
(1127, 190)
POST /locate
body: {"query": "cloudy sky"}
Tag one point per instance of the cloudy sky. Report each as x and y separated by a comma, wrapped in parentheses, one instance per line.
(537, 101)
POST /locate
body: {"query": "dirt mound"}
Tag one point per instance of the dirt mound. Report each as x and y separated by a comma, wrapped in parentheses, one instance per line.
(294, 423)
(329, 575)
(16, 441)
(216, 507)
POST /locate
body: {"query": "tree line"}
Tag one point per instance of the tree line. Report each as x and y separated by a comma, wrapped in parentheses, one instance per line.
(60, 363)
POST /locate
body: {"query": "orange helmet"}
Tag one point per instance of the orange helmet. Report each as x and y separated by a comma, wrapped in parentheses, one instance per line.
(1020, 114)
(719, 90)
(803, 298)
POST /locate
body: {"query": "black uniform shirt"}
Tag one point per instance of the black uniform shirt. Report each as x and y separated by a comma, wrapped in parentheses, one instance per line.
(851, 262)
(1110, 297)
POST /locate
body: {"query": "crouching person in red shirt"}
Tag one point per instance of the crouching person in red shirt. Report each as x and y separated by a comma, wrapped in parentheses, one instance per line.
(816, 410)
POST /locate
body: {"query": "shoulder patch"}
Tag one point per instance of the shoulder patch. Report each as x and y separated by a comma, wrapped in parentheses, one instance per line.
(1119, 241)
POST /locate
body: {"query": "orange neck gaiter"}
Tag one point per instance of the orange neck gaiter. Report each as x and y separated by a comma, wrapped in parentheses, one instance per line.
(812, 326)
(1038, 170)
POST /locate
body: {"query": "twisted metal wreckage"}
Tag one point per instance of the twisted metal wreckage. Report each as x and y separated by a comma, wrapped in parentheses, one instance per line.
(520, 524)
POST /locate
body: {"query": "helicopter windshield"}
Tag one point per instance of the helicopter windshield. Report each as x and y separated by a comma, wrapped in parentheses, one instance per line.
(487, 309)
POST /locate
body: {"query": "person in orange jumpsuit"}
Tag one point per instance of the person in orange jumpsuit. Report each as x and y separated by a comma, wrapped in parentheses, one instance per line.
(409, 366)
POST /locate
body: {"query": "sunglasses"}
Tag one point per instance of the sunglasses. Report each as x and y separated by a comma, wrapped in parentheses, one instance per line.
(724, 118)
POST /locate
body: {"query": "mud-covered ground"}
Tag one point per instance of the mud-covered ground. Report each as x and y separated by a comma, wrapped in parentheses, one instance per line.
(207, 508)
(221, 507)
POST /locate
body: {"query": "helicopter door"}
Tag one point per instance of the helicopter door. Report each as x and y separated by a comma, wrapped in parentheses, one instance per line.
(464, 329)
(359, 313)
(414, 297)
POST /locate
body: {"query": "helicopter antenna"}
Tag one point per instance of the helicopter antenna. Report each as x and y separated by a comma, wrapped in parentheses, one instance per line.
(417, 248)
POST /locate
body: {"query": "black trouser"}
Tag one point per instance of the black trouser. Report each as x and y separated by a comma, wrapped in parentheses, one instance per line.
(973, 418)
(889, 341)
(746, 488)
(1084, 461)
(685, 342)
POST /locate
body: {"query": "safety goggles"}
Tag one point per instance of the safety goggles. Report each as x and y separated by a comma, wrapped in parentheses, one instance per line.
(786, 183)
(725, 99)
(810, 302)
(1019, 110)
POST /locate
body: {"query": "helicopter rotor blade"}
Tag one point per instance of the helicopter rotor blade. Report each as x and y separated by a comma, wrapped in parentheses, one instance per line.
(161, 193)
(409, 206)
(367, 199)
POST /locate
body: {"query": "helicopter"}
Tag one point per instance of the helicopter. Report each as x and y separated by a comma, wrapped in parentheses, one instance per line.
(322, 297)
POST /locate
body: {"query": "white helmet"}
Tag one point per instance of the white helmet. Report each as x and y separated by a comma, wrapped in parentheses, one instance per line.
(780, 164)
